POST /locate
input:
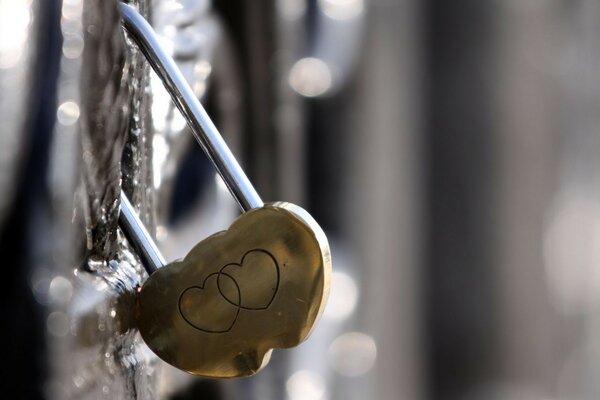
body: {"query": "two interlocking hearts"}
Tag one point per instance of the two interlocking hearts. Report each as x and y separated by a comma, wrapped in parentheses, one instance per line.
(249, 285)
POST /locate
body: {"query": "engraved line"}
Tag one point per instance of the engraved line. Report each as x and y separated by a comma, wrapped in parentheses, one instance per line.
(239, 305)
(203, 288)
(240, 265)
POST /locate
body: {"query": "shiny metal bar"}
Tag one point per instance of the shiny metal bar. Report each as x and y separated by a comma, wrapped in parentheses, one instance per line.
(198, 120)
(138, 237)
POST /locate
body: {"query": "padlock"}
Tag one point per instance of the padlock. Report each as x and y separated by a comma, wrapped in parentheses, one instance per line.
(260, 285)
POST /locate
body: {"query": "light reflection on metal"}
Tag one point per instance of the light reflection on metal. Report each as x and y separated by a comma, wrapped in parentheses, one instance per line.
(72, 46)
(203, 128)
(306, 385)
(71, 11)
(138, 237)
(292, 10)
(15, 17)
(60, 290)
(343, 298)
(572, 253)
(352, 354)
(311, 77)
(57, 324)
(160, 155)
(322, 69)
(18, 47)
(342, 9)
(68, 113)
(180, 12)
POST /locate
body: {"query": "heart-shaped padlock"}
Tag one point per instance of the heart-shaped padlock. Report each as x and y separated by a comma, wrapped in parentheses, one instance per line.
(240, 293)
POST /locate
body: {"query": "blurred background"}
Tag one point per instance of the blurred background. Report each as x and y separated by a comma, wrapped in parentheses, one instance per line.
(448, 149)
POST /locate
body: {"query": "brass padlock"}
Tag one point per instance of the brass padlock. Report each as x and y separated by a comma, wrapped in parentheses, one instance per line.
(240, 293)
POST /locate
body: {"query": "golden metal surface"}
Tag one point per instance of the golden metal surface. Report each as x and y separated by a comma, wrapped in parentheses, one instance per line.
(260, 285)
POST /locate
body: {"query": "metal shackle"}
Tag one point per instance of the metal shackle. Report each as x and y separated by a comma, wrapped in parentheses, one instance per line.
(202, 127)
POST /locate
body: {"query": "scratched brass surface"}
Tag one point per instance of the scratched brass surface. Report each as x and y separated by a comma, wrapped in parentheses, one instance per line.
(262, 284)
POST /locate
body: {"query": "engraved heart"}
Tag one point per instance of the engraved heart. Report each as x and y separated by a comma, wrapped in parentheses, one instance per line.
(196, 302)
(238, 294)
(257, 278)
